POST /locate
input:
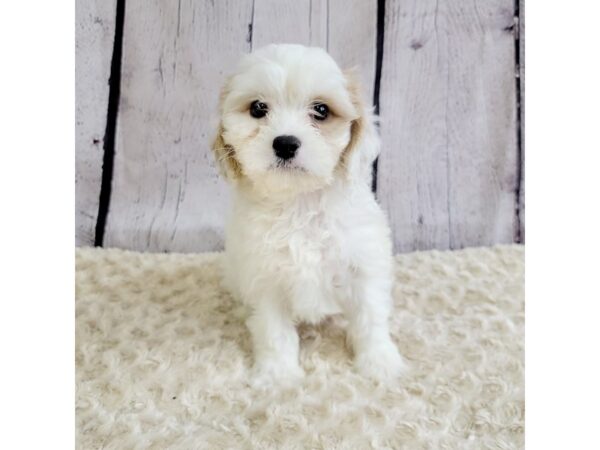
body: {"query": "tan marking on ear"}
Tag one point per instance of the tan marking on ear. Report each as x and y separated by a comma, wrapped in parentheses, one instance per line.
(225, 156)
(357, 125)
(228, 164)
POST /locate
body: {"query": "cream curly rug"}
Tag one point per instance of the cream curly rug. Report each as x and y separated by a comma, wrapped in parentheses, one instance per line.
(162, 360)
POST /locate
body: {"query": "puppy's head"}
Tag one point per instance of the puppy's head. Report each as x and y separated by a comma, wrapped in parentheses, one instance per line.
(290, 121)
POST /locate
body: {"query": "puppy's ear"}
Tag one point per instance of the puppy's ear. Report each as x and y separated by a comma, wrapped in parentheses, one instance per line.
(225, 153)
(363, 147)
(225, 156)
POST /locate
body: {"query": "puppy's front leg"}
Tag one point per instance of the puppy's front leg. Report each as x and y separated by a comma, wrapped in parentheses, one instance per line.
(375, 354)
(276, 345)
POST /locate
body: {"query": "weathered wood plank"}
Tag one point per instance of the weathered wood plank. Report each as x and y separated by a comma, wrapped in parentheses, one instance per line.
(482, 132)
(284, 21)
(347, 29)
(167, 194)
(412, 178)
(94, 35)
(318, 23)
(352, 38)
(448, 170)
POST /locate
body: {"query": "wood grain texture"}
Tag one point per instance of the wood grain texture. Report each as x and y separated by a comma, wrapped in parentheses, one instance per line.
(319, 23)
(448, 170)
(449, 174)
(94, 35)
(347, 29)
(352, 38)
(285, 21)
(167, 194)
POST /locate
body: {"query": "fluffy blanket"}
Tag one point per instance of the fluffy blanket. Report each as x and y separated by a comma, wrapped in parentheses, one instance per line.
(163, 358)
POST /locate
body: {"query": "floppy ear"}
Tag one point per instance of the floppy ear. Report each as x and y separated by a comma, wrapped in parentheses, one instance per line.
(225, 156)
(364, 145)
(229, 166)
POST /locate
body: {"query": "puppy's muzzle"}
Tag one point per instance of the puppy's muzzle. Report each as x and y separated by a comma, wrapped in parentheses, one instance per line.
(286, 146)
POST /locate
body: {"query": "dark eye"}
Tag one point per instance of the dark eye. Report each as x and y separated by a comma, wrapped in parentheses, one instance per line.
(258, 109)
(321, 111)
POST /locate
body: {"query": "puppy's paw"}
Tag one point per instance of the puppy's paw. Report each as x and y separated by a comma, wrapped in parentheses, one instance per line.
(270, 374)
(381, 363)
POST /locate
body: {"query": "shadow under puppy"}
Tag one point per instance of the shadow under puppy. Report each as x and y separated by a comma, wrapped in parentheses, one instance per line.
(306, 237)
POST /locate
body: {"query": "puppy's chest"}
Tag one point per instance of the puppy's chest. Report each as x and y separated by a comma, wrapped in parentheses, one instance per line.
(312, 253)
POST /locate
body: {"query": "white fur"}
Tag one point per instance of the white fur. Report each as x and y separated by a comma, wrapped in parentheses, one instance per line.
(309, 240)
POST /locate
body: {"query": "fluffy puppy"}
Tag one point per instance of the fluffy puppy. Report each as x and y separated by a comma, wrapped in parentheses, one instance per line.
(306, 237)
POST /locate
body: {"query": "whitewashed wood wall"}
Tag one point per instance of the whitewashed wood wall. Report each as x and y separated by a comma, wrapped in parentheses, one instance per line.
(445, 76)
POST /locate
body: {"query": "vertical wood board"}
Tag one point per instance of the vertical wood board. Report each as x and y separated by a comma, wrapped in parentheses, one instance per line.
(94, 36)
(167, 194)
(448, 171)
(482, 126)
(412, 169)
(285, 21)
(352, 39)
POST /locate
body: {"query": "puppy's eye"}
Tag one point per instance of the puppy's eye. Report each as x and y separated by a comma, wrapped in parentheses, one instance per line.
(320, 111)
(258, 109)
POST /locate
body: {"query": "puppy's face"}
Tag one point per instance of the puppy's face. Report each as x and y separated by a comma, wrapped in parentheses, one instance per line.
(288, 116)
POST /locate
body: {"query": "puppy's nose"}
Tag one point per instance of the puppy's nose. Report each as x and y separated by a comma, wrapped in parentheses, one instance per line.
(285, 146)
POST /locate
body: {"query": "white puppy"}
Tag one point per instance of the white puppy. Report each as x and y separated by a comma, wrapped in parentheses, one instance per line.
(306, 238)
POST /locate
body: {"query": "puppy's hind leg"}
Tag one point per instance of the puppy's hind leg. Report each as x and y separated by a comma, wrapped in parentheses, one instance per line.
(276, 345)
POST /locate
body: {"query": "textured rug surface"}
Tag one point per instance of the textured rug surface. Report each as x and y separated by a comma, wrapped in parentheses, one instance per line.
(163, 356)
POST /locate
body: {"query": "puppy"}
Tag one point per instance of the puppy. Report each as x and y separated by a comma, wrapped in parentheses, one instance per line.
(306, 238)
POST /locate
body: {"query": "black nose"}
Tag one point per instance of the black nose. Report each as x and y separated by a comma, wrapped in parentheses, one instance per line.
(286, 146)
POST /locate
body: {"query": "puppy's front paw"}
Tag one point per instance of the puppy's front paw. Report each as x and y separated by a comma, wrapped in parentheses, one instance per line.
(380, 362)
(268, 374)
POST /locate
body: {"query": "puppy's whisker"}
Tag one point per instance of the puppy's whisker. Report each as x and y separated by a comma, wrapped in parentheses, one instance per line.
(228, 152)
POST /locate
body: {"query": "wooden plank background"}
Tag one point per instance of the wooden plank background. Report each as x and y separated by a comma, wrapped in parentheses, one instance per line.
(94, 37)
(166, 192)
(448, 172)
(441, 72)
